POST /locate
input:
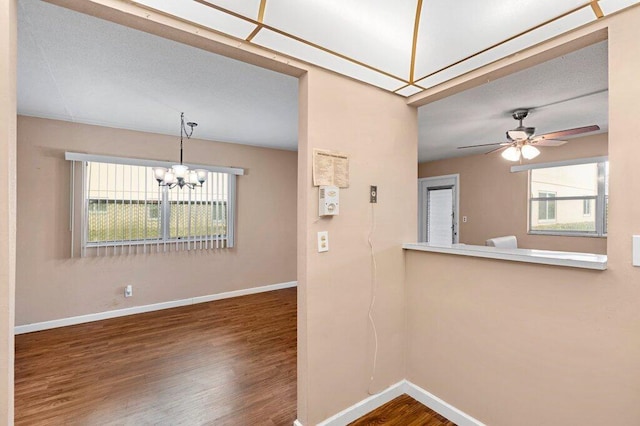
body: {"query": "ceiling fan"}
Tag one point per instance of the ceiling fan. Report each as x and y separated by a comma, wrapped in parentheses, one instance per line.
(522, 142)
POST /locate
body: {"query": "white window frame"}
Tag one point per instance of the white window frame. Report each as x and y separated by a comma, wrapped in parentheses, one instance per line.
(164, 205)
(600, 198)
(540, 198)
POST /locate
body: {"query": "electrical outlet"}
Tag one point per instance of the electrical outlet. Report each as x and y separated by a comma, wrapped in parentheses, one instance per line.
(323, 241)
(464, 219)
(128, 291)
(373, 194)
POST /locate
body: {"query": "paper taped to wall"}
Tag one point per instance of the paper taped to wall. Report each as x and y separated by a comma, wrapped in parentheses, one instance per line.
(330, 168)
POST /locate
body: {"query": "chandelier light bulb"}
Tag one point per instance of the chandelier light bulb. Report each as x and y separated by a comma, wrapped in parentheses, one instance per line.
(158, 173)
(180, 170)
(170, 178)
(202, 175)
(192, 177)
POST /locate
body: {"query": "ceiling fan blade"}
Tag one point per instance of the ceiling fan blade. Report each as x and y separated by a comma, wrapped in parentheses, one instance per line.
(500, 148)
(485, 144)
(568, 132)
(547, 142)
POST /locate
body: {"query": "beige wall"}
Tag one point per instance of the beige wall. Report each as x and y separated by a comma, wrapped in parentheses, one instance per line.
(511, 343)
(573, 357)
(8, 36)
(495, 200)
(51, 285)
(379, 131)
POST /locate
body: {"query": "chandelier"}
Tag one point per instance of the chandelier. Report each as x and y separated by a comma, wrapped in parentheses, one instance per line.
(179, 174)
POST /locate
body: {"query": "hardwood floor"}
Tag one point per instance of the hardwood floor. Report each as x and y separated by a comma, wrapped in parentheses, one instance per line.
(403, 411)
(228, 362)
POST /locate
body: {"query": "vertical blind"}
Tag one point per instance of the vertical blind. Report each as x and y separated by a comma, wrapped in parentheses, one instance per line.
(124, 211)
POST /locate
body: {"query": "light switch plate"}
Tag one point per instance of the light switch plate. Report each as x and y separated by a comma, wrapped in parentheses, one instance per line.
(373, 194)
(323, 241)
(636, 250)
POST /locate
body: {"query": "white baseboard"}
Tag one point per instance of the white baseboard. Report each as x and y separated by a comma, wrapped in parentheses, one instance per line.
(371, 403)
(45, 325)
(441, 407)
(365, 406)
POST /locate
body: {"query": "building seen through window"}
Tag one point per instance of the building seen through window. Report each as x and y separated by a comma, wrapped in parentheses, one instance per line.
(569, 200)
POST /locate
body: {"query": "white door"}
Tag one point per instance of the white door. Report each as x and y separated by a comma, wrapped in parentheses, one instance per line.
(438, 209)
(440, 227)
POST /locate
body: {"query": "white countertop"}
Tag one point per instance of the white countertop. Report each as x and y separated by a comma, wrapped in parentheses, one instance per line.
(546, 257)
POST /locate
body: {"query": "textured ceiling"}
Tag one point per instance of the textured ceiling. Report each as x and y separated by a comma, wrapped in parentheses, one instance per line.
(79, 68)
(402, 46)
(566, 92)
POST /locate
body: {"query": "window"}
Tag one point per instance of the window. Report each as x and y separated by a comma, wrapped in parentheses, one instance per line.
(546, 208)
(95, 207)
(124, 210)
(153, 211)
(569, 199)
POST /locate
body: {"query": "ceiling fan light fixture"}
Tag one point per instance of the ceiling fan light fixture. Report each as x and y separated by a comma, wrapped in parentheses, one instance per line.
(517, 135)
(530, 152)
(512, 154)
(520, 141)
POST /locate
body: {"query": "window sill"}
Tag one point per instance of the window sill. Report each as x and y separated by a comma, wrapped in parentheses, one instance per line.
(567, 234)
(545, 257)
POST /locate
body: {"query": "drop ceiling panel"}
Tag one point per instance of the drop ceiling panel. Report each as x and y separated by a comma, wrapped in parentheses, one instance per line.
(209, 17)
(610, 6)
(449, 34)
(557, 27)
(248, 8)
(296, 49)
(409, 90)
(376, 32)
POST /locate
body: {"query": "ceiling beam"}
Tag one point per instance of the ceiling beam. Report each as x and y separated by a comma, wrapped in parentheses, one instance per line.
(416, 27)
(597, 10)
(263, 4)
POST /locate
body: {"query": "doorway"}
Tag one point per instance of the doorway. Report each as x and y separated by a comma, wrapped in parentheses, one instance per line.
(438, 201)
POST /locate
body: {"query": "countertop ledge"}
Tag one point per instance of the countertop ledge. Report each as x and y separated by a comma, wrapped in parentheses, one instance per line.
(545, 257)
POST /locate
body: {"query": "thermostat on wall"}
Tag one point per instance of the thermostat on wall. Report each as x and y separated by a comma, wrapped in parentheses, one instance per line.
(328, 201)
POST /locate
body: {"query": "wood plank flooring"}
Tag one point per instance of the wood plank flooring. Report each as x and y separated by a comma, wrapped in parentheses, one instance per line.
(228, 362)
(403, 411)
